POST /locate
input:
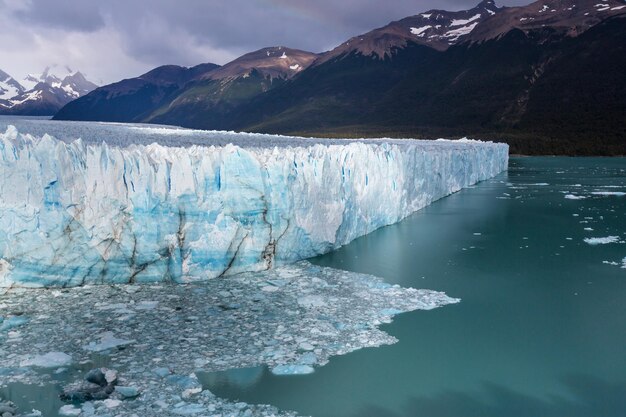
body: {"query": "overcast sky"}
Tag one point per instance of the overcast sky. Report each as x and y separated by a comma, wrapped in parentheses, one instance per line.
(113, 39)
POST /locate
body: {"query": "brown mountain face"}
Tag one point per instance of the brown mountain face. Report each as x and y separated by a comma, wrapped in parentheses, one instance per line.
(273, 62)
(438, 29)
(568, 17)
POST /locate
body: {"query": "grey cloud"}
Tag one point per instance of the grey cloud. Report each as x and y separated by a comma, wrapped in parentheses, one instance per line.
(188, 32)
(81, 15)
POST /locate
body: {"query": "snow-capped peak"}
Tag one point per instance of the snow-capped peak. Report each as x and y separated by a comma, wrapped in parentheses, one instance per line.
(52, 75)
(9, 87)
(57, 85)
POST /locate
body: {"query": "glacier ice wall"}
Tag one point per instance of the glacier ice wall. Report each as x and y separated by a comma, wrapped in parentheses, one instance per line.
(75, 213)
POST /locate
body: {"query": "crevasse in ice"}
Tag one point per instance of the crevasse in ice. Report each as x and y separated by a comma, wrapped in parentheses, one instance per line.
(74, 213)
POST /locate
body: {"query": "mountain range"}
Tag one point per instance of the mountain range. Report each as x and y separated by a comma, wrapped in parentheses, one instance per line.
(547, 78)
(42, 94)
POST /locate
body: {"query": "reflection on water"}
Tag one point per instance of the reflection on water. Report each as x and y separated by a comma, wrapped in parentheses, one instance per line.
(539, 330)
(237, 379)
(45, 397)
(28, 397)
(594, 398)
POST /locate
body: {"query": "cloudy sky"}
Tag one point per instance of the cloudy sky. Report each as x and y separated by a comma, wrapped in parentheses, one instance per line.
(113, 39)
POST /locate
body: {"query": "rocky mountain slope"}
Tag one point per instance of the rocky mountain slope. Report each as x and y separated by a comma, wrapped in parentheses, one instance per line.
(205, 92)
(546, 78)
(214, 97)
(438, 29)
(565, 17)
(134, 99)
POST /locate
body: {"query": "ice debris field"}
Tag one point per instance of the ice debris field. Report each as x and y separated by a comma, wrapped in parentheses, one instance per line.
(84, 209)
(159, 339)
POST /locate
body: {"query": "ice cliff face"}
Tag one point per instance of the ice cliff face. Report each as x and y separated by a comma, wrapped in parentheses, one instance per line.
(75, 213)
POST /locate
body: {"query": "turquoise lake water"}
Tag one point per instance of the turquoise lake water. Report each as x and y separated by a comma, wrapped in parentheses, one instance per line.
(540, 330)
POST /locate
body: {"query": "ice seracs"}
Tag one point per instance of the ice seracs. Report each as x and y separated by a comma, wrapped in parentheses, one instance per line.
(77, 213)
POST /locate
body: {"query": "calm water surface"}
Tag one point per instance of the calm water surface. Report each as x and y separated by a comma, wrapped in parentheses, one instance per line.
(540, 328)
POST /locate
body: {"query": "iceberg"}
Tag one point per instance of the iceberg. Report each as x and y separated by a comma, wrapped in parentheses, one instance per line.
(84, 212)
(292, 370)
(48, 360)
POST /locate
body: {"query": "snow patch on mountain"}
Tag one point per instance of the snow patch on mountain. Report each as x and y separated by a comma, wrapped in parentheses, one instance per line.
(9, 89)
(454, 35)
(32, 95)
(463, 22)
(420, 31)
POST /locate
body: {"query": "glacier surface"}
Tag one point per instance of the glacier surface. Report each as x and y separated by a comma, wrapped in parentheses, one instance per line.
(81, 211)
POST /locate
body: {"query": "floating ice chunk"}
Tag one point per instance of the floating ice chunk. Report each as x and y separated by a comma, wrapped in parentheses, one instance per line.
(184, 381)
(311, 301)
(292, 370)
(111, 403)
(306, 346)
(601, 240)
(391, 312)
(574, 197)
(70, 410)
(48, 360)
(107, 341)
(12, 322)
(147, 305)
(127, 392)
(623, 264)
(110, 375)
(162, 371)
(309, 358)
(189, 409)
(189, 392)
(609, 193)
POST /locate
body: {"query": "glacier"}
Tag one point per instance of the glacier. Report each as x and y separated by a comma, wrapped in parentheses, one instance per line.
(80, 211)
